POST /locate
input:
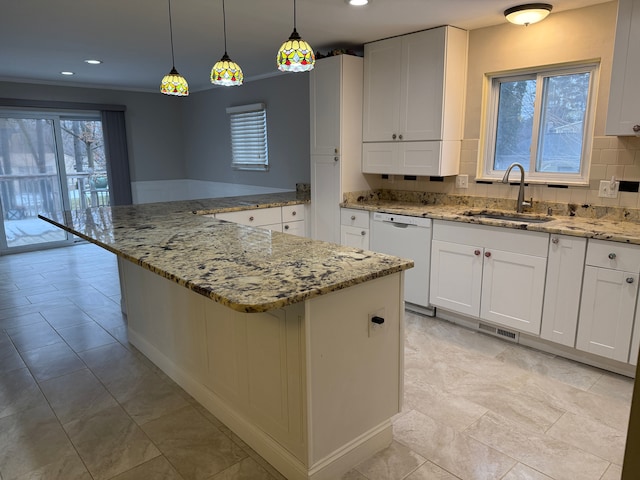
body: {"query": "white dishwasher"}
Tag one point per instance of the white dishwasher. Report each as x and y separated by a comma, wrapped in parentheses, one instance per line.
(407, 237)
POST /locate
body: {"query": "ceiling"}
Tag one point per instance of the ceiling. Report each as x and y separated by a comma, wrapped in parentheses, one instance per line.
(41, 38)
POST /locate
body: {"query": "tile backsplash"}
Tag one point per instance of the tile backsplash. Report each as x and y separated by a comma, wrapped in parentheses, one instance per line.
(611, 156)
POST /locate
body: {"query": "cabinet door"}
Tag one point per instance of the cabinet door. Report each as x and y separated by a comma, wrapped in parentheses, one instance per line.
(606, 312)
(325, 198)
(562, 291)
(624, 102)
(324, 95)
(422, 85)
(456, 277)
(419, 158)
(354, 237)
(513, 290)
(381, 108)
(380, 157)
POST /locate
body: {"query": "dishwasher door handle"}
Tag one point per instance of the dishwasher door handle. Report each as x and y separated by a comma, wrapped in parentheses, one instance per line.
(399, 225)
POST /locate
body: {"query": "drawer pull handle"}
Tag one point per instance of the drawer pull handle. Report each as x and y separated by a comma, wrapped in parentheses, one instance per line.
(400, 136)
(612, 256)
(476, 252)
(251, 219)
(555, 240)
(294, 213)
(353, 217)
(487, 254)
(636, 128)
(286, 227)
(630, 280)
(377, 320)
(363, 233)
(393, 136)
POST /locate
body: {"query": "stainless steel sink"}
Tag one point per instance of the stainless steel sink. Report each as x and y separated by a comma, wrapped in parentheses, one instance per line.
(509, 217)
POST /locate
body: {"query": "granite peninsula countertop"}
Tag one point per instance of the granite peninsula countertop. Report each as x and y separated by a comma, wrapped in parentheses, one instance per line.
(604, 223)
(245, 268)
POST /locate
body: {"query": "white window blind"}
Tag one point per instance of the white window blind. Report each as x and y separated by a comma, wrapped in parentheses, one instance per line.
(249, 137)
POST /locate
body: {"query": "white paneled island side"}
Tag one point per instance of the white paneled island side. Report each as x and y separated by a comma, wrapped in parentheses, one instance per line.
(294, 344)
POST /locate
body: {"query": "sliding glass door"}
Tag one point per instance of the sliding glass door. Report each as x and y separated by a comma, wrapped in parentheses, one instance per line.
(48, 163)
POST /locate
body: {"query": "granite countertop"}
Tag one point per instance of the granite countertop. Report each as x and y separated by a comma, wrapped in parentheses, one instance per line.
(245, 268)
(604, 223)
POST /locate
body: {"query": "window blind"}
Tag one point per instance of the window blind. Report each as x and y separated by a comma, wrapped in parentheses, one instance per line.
(249, 147)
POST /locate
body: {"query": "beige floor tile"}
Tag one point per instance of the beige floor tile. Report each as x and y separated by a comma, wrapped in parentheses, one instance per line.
(552, 366)
(19, 392)
(453, 410)
(156, 469)
(86, 336)
(590, 435)
(69, 467)
(77, 395)
(152, 398)
(509, 401)
(30, 440)
(52, 361)
(20, 320)
(609, 410)
(196, 448)
(353, 475)
(455, 452)
(613, 385)
(545, 454)
(614, 472)
(66, 316)
(113, 362)
(392, 463)
(110, 443)
(523, 472)
(430, 471)
(34, 335)
(10, 359)
(245, 469)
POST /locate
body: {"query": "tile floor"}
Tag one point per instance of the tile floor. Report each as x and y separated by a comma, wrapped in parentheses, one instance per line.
(78, 402)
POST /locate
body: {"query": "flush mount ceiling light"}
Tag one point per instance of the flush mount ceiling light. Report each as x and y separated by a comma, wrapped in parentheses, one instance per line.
(66, 73)
(225, 72)
(527, 14)
(295, 55)
(357, 3)
(173, 83)
(93, 62)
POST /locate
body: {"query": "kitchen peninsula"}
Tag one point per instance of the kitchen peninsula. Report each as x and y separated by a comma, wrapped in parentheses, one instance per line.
(295, 344)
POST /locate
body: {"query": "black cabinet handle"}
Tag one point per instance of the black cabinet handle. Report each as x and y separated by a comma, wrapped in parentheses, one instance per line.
(377, 320)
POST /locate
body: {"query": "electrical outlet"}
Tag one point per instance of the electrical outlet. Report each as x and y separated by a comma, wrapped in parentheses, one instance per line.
(462, 181)
(607, 190)
(377, 322)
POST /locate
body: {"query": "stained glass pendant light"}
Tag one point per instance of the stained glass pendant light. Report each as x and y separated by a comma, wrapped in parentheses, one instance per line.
(295, 55)
(226, 72)
(173, 83)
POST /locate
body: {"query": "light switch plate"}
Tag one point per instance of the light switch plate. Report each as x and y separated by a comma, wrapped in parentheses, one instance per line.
(606, 190)
(462, 181)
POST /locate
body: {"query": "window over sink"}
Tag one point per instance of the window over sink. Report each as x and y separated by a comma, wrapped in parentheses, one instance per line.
(543, 119)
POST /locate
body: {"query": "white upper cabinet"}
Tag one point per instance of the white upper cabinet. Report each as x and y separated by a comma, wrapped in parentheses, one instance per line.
(623, 116)
(414, 89)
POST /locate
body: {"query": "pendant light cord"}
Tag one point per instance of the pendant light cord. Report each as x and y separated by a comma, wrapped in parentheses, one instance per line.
(294, 15)
(224, 27)
(173, 62)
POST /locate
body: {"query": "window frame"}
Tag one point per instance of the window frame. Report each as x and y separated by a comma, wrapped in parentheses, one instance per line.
(242, 160)
(490, 123)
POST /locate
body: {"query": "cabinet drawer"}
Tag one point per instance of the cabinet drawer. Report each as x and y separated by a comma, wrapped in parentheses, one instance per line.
(292, 213)
(354, 218)
(263, 216)
(618, 256)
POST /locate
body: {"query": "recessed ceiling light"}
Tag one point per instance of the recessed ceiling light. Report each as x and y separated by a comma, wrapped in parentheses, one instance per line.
(357, 3)
(67, 73)
(93, 62)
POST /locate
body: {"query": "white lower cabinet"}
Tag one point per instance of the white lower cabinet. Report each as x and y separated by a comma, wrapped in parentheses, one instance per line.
(499, 277)
(354, 228)
(609, 295)
(287, 219)
(565, 267)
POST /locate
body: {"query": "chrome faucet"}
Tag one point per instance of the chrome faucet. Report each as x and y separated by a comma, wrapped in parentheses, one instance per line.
(505, 179)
